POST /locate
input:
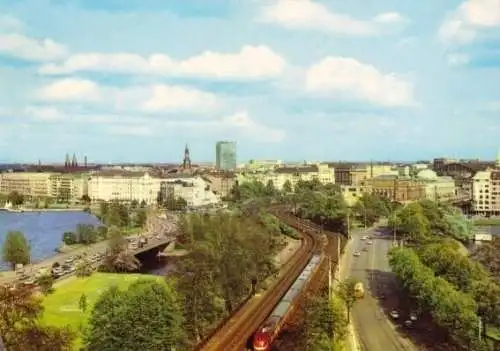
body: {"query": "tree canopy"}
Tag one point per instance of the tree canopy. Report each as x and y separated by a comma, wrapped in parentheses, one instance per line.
(226, 254)
(146, 316)
(20, 311)
(451, 309)
(16, 249)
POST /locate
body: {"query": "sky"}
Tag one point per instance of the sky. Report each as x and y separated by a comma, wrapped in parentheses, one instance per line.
(135, 80)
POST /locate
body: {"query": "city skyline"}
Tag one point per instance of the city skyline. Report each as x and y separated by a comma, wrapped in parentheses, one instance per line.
(291, 80)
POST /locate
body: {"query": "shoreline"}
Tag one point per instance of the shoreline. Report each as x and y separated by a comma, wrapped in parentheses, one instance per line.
(41, 210)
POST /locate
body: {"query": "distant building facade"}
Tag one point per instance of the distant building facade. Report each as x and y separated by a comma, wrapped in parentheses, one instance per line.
(225, 155)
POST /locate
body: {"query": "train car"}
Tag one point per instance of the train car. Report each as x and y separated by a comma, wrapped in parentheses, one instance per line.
(269, 330)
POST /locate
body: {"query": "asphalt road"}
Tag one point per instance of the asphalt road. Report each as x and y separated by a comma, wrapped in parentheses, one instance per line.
(373, 328)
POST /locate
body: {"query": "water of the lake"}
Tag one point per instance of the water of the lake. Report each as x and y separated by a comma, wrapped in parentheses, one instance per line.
(44, 230)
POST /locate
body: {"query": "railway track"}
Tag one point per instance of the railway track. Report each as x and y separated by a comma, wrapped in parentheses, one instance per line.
(236, 331)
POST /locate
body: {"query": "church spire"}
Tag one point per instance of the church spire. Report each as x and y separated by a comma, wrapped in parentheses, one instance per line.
(186, 163)
(67, 162)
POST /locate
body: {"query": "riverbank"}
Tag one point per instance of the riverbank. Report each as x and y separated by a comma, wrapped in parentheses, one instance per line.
(69, 209)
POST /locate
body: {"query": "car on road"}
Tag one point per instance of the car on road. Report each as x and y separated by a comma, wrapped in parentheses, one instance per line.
(369, 242)
(357, 254)
(413, 317)
(394, 314)
(365, 249)
(408, 323)
(364, 237)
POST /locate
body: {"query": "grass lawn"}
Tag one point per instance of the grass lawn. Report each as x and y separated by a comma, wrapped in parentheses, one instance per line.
(486, 221)
(61, 307)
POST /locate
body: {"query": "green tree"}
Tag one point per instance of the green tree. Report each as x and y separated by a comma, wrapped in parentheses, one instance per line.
(16, 249)
(270, 189)
(82, 303)
(141, 218)
(84, 269)
(20, 313)
(15, 198)
(70, 238)
(346, 292)
(46, 282)
(287, 186)
(115, 323)
(86, 234)
(118, 258)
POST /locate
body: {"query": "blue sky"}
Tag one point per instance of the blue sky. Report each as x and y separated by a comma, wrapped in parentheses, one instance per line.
(287, 79)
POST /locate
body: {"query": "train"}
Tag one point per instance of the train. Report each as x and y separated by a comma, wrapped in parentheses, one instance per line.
(269, 330)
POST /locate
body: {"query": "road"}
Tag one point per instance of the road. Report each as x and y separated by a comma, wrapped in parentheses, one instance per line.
(155, 225)
(372, 326)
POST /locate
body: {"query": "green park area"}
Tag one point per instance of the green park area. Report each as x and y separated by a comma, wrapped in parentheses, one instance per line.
(487, 221)
(62, 307)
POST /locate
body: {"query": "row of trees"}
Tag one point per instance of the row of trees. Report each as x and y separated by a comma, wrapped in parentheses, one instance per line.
(323, 204)
(228, 256)
(424, 221)
(122, 215)
(85, 234)
(452, 310)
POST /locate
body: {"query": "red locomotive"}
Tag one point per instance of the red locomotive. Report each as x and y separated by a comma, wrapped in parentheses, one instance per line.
(269, 330)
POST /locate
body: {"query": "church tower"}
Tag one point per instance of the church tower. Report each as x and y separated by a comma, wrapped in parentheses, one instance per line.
(74, 162)
(67, 162)
(186, 163)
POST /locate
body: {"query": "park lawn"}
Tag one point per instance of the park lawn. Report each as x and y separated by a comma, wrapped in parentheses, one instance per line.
(61, 306)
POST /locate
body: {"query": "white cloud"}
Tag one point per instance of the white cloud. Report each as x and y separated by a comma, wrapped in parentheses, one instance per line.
(10, 23)
(251, 62)
(472, 15)
(154, 98)
(73, 90)
(389, 17)
(30, 49)
(457, 59)
(242, 122)
(44, 113)
(306, 14)
(345, 77)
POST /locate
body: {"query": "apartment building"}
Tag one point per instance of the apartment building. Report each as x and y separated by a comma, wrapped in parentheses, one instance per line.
(279, 176)
(32, 185)
(485, 193)
(113, 185)
(194, 190)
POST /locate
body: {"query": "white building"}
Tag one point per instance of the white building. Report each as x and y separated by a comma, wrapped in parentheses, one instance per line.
(437, 188)
(280, 175)
(141, 186)
(123, 186)
(481, 187)
(194, 190)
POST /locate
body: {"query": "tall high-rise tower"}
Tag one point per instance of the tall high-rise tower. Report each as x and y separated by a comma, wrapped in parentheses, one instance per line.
(85, 161)
(225, 155)
(497, 161)
(186, 162)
